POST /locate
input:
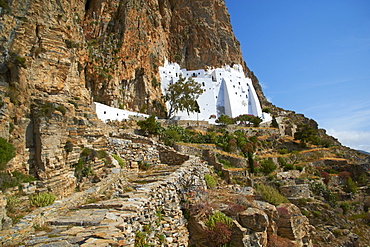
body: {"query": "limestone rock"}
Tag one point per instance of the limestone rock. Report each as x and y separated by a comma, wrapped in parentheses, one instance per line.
(293, 224)
(254, 219)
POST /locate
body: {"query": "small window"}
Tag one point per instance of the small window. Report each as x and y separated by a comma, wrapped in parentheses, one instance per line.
(105, 112)
(203, 84)
(246, 96)
(239, 83)
(176, 74)
(236, 92)
(216, 97)
(198, 73)
(233, 86)
(194, 74)
(117, 114)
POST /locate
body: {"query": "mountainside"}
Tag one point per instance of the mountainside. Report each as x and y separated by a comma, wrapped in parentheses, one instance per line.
(66, 54)
(59, 56)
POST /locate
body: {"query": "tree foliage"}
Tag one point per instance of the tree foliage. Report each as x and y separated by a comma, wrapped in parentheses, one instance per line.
(150, 125)
(305, 134)
(182, 95)
(225, 120)
(249, 119)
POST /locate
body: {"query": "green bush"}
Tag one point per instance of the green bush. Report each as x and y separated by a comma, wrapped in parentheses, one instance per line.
(82, 169)
(14, 180)
(226, 163)
(345, 206)
(351, 186)
(150, 126)
(283, 151)
(102, 154)
(120, 161)
(288, 167)
(42, 199)
(210, 181)
(6, 153)
(218, 217)
(316, 213)
(267, 166)
(144, 165)
(270, 194)
(321, 190)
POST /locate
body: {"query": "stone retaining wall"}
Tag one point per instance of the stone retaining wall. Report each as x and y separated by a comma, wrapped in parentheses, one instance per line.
(161, 214)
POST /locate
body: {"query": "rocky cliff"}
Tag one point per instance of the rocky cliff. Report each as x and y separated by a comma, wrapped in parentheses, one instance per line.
(59, 56)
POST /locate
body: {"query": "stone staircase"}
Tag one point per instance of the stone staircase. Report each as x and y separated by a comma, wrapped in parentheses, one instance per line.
(149, 213)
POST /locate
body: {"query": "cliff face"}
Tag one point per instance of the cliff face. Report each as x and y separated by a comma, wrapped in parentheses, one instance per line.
(110, 50)
(58, 56)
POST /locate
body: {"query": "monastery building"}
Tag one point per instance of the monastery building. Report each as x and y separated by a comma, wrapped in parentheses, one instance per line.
(226, 92)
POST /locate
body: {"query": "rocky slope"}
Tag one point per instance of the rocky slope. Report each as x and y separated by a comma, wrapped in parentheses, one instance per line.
(66, 54)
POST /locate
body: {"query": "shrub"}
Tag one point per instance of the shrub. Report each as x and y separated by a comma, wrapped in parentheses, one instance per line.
(219, 235)
(351, 186)
(42, 199)
(82, 169)
(144, 165)
(325, 176)
(86, 152)
(288, 167)
(6, 153)
(344, 175)
(150, 126)
(316, 213)
(267, 166)
(321, 190)
(7, 181)
(218, 217)
(270, 194)
(120, 161)
(226, 163)
(345, 206)
(102, 154)
(283, 151)
(210, 181)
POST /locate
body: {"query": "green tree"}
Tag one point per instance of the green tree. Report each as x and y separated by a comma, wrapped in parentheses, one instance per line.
(305, 134)
(249, 118)
(225, 120)
(182, 95)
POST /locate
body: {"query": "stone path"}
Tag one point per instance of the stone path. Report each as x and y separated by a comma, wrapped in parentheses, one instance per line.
(150, 213)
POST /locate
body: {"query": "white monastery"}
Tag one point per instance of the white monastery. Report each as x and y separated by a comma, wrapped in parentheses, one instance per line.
(226, 92)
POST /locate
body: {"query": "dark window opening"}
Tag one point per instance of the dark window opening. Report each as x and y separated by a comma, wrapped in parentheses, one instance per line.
(105, 112)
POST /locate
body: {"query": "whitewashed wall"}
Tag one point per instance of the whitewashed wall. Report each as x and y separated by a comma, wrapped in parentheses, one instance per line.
(106, 112)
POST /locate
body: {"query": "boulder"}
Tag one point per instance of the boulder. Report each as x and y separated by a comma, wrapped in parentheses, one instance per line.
(292, 224)
(254, 219)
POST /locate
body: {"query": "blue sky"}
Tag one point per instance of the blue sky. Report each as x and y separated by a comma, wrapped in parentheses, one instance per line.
(311, 57)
